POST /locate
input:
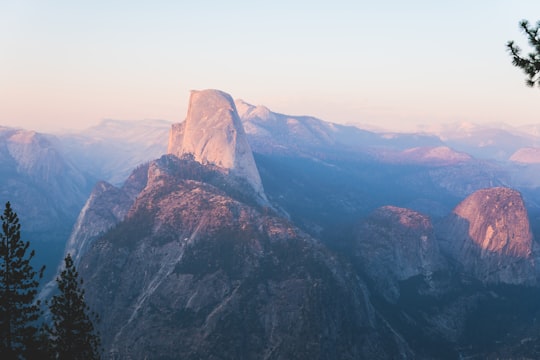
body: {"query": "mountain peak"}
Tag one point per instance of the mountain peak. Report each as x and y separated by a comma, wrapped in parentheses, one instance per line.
(498, 221)
(490, 235)
(213, 134)
(246, 110)
(526, 155)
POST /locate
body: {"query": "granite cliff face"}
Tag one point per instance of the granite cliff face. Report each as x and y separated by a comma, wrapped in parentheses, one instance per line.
(106, 207)
(199, 270)
(213, 134)
(394, 244)
(489, 236)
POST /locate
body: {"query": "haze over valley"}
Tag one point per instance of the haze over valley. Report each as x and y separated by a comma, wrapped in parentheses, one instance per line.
(241, 231)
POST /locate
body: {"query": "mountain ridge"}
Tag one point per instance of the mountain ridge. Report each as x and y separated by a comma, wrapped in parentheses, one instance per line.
(184, 259)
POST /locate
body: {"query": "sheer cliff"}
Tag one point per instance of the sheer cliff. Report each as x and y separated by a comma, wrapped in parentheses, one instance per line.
(213, 134)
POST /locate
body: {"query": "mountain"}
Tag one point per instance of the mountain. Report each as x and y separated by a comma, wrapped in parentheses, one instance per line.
(351, 171)
(526, 155)
(489, 236)
(33, 160)
(395, 244)
(213, 134)
(323, 174)
(200, 268)
(194, 272)
(271, 132)
(496, 142)
(263, 235)
(279, 134)
(106, 207)
(464, 288)
(45, 188)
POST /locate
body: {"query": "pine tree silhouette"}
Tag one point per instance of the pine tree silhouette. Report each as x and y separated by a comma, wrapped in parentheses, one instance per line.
(72, 335)
(530, 64)
(19, 310)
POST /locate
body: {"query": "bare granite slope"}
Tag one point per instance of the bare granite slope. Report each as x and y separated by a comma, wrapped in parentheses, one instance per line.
(489, 236)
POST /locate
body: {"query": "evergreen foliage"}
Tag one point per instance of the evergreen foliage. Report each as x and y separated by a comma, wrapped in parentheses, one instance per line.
(530, 64)
(19, 310)
(72, 336)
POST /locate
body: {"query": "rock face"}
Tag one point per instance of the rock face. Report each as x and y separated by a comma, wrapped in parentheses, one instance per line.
(198, 271)
(489, 236)
(106, 207)
(395, 244)
(213, 134)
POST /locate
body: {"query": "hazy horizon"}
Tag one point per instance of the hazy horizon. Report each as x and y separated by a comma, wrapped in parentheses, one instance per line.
(433, 128)
(388, 64)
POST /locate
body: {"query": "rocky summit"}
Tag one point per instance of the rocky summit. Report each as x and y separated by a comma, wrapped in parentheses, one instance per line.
(489, 236)
(213, 134)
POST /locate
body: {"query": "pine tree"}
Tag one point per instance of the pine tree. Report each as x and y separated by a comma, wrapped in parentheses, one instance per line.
(19, 310)
(530, 64)
(72, 335)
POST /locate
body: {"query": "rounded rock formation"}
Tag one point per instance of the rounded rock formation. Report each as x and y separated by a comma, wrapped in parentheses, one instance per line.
(213, 134)
(489, 236)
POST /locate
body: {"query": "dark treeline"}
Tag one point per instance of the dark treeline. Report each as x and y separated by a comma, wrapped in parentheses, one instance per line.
(24, 333)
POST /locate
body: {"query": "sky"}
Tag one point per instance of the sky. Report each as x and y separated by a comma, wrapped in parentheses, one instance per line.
(393, 64)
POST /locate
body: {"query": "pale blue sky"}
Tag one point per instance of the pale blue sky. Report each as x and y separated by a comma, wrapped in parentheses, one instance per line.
(396, 64)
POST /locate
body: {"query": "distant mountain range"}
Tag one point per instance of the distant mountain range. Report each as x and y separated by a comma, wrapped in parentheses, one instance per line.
(112, 149)
(320, 268)
(243, 233)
